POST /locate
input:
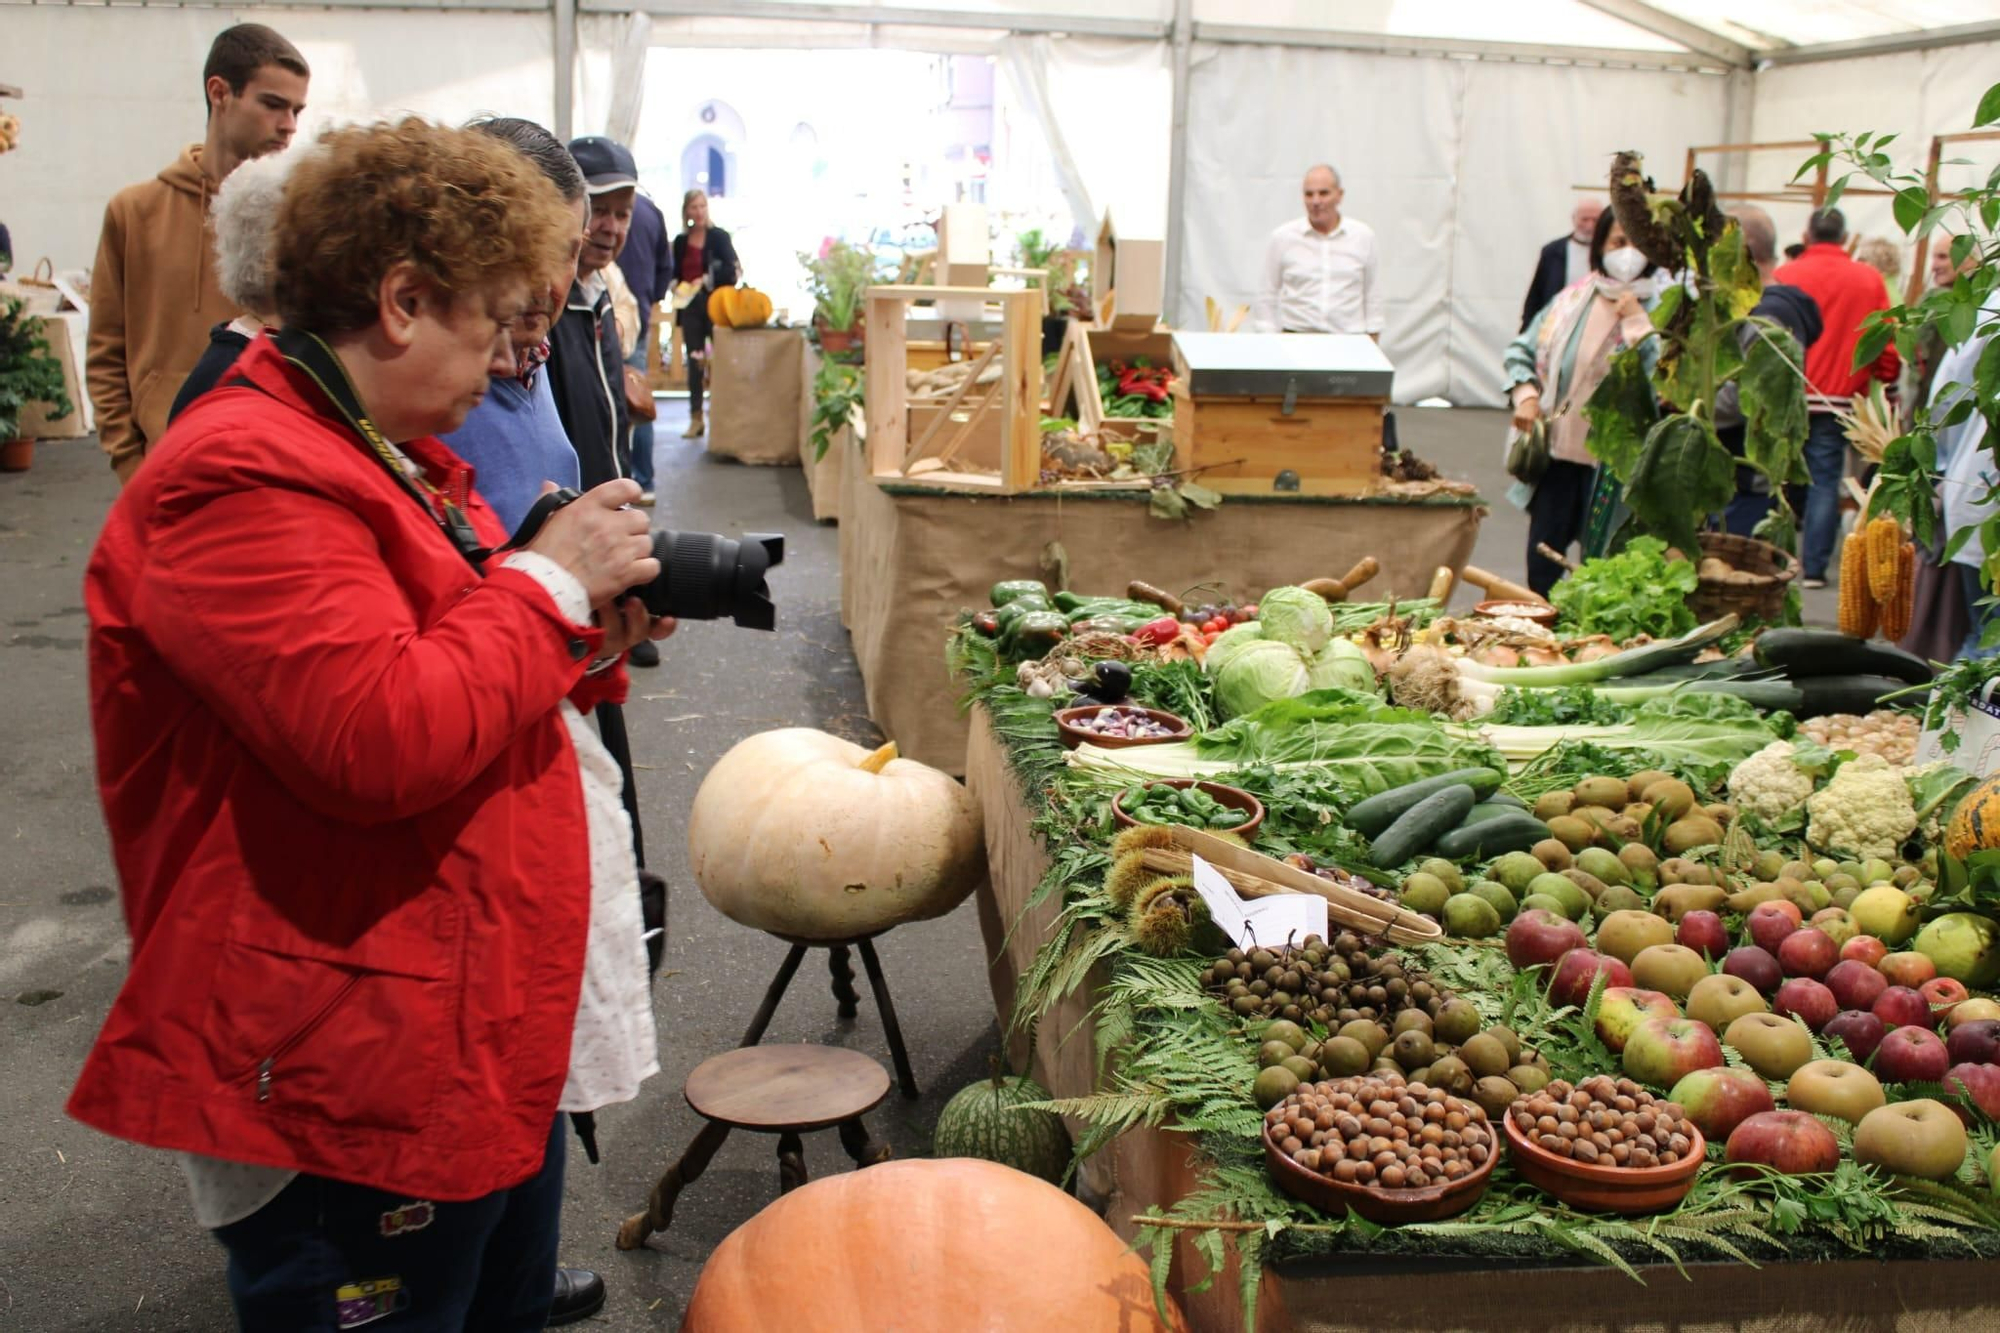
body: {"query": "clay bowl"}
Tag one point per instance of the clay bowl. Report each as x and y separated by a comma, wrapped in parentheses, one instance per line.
(1383, 1207)
(1073, 736)
(1540, 613)
(1606, 1189)
(1234, 797)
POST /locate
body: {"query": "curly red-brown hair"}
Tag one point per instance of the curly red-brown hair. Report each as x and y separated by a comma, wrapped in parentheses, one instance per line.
(467, 209)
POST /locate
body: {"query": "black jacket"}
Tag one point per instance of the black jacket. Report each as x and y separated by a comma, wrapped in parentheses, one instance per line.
(587, 379)
(719, 262)
(224, 346)
(1551, 276)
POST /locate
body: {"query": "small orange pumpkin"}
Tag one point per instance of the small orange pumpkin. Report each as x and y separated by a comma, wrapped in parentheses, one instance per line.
(738, 308)
(1975, 825)
(944, 1243)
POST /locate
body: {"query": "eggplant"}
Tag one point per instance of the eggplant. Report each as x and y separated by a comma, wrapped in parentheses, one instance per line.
(1801, 653)
(1845, 694)
(1114, 681)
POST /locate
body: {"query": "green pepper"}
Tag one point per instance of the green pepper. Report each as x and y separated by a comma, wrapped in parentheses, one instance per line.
(1067, 601)
(1009, 590)
(1021, 606)
(1032, 635)
(1230, 818)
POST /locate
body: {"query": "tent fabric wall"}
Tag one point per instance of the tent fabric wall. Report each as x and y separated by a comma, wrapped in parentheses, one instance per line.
(1464, 180)
(91, 126)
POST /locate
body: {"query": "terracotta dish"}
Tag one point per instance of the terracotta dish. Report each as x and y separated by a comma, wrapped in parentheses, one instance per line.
(1234, 797)
(1606, 1189)
(1384, 1207)
(1072, 736)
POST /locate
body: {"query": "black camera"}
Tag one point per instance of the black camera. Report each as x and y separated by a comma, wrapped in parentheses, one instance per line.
(702, 576)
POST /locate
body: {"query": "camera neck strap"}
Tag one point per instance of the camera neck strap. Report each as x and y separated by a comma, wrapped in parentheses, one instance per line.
(310, 355)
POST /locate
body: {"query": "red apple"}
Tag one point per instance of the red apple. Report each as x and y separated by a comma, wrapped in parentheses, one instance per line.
(1901, 1007)
(1911, 1055)
(1977, 1042)
(1980, 1082)
(1907, 969)
(1704, 933)
(1808, 953)
(1622, 1008)
(1576, 971)
(1859, 1031)
(1855, 984)
(1718, 1100)
(1807, 999)
(1663, 1051)
(1793, 1142)
(1769, 923)
(1944, 995)
(1755, 965)
(1865, 949)
(1539, 936)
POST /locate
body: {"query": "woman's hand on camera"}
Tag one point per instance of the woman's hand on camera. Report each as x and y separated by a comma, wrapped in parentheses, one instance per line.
(601, 540)
(627, 624)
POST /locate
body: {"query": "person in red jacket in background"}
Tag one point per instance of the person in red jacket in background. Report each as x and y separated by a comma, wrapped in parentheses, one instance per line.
(1846, 292)
(345, 809)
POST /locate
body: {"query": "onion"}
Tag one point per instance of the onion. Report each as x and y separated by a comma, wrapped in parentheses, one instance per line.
(1538, 655)
(1592, 649)
(1497, 655)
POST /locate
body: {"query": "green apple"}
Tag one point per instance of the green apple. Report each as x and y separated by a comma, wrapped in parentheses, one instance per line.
(1917, 1138)
(1773, 1046)
(1624, 935)
(1719, 999)
(1963, 945)
(1835, 1088)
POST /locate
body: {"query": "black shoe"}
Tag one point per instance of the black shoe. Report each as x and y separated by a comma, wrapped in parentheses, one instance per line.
(579, 1295)
(644, 653)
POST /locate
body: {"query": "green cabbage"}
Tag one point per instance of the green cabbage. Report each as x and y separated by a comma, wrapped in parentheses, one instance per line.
(1228, 643)
(1297, 618)
(1258, 673)
(1341, 665)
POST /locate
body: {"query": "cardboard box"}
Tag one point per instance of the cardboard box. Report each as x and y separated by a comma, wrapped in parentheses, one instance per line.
(1978, 731)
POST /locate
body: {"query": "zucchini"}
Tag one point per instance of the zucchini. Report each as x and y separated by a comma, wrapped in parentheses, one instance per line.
(1491, 809)
(1802, 653)
(1513, 832)
(1506, 798)
(1420, 826)
(1845, 694)
(1375, 814)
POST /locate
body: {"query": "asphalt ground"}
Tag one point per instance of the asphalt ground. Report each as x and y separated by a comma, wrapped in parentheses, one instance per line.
(97, 1234)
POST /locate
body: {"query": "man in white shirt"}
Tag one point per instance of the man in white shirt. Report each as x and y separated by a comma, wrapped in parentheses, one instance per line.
(1320, 273)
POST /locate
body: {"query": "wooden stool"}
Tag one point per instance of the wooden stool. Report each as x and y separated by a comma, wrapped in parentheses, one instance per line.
(782, 1090)
(846, 999)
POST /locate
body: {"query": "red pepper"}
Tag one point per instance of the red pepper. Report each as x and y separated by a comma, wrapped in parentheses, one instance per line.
(1159, 632)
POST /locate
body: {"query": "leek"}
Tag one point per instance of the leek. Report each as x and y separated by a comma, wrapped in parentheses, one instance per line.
(1631, 662)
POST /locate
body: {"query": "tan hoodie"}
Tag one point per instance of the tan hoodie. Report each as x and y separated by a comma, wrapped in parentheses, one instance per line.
(153, 300)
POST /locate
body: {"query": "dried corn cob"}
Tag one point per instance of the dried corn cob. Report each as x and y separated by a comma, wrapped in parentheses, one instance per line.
(1885, 540)
(1857, 607)
(1897, 610)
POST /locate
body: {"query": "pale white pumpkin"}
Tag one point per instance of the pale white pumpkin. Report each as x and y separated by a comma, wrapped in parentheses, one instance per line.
(807, 835)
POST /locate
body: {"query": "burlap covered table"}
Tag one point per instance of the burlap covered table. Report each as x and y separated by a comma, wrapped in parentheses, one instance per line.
(911, 558)
(1145, 1171)
(757, 382)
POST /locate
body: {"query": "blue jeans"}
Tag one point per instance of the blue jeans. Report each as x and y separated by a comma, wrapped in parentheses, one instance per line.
(642, 431)
(316, 1259)
(1826, 461)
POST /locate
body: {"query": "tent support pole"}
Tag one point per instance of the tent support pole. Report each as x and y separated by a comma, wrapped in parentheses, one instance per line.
(564, 15)
(1182, 39)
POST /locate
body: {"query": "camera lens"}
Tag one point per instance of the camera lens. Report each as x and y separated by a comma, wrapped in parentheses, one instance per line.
(706, 577)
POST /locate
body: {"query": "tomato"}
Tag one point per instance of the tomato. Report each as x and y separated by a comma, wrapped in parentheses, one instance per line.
(1246, 613)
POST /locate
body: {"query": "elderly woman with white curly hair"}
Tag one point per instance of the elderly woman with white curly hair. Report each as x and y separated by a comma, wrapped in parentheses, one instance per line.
(243, 218)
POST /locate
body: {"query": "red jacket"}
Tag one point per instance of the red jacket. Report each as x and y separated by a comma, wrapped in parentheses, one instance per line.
(345, 812)
(1846, 291)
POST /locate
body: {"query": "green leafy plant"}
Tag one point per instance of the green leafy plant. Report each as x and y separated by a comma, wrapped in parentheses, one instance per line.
(1673, 468)
(1907, 487)
(1637, 591)
(840, 276)
(1035, 250)
(838, 389)
(28, 374)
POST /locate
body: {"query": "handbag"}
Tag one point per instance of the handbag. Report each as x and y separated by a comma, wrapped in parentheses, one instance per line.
(1528, 453)
(639, 402)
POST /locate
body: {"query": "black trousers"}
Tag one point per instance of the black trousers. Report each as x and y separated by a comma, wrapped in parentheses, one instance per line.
(1557, 515)
(696, 330)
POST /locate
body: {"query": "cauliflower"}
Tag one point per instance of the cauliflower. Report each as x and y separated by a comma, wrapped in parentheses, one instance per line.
(1768, 784)
(1865, 811)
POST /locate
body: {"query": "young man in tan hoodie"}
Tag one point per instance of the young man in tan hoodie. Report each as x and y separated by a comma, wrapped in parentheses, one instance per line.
(153, 294)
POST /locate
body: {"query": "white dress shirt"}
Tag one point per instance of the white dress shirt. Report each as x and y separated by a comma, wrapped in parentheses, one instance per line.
(1579, 261)
(1321, 282)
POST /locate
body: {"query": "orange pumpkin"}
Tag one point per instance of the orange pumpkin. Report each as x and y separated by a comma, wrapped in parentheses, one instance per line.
(738, 308)
(1975, 825)
(949, 1243)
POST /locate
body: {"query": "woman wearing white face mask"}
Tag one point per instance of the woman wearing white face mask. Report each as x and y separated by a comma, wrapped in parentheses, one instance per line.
(1554, 367)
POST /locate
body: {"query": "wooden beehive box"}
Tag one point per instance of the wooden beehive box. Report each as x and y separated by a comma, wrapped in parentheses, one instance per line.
(1128, 280)
(1255, 413)
(1074, 391)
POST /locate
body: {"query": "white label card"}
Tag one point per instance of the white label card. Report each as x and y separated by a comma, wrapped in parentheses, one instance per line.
(1268, 922)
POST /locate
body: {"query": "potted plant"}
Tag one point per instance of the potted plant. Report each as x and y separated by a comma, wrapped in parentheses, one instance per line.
(840, 276)
(28, 374)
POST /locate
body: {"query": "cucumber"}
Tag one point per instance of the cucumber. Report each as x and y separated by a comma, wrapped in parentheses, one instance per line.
(1486, 810)
(1506, 798)
(1420, 826)
(1803, 653)
(1512, 832)
(1371, 816)
(1845, 694)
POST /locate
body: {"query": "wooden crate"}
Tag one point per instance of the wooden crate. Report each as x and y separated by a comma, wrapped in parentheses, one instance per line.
(1128, 280)
(1240, 445)
(930, 445)
(1073, 389)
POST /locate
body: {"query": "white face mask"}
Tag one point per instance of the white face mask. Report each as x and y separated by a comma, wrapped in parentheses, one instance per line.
(1624, 264)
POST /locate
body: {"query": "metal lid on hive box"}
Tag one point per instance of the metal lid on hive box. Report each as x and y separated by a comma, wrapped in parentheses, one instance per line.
(1282, 365)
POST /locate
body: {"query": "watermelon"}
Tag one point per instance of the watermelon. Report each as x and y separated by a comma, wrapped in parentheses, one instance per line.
(983, 1121)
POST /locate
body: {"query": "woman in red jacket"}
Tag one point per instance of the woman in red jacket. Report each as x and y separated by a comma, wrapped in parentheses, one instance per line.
(344, 808)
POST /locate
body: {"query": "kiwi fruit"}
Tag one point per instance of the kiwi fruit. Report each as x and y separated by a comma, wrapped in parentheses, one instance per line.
(1721, 812)
(1484, 1055)
(1602, 791)
(1671, 797)
(1636, 785)
(1572, 832)
(1550, 804)
(1552, 852)
(1636, 812)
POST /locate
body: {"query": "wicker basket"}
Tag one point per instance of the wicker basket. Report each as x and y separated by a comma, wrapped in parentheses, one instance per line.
(1763, 597)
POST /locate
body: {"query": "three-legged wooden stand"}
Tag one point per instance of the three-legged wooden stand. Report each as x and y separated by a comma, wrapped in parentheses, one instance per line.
(847, 1000)
(781, 1090)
